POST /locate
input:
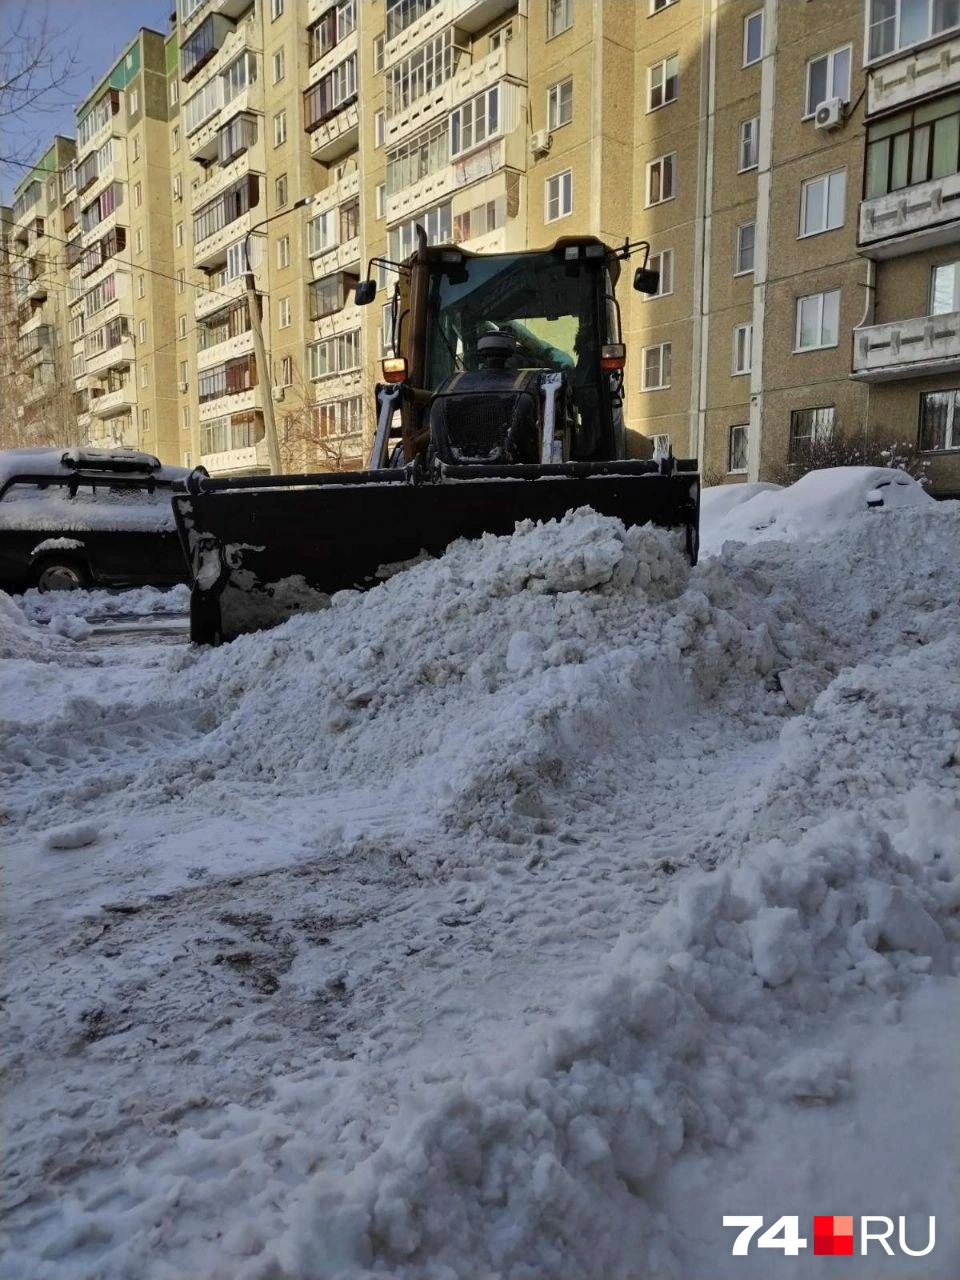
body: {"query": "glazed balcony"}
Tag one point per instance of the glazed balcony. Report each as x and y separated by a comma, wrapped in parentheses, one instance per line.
(107, 404)
(228, 349)
(245, 401)
(907, 348)
(218, 296)
(231, 9)
(488, 161)
(115, 357)
(918, 75)
(469, 15)
(914, 218)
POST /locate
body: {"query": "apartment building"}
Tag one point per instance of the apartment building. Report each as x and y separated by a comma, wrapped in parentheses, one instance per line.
(37, 227)
(794, 165)
(121, 316)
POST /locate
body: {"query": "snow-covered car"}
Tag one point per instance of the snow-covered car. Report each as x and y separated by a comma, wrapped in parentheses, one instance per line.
(84, 517)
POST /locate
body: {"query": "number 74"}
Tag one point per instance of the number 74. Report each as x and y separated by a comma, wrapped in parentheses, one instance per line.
(784, 1234)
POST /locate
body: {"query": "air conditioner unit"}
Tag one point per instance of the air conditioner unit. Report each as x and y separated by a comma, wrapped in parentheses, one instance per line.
(540, 142)
(829, 115)
(183, 387)
(278, 393)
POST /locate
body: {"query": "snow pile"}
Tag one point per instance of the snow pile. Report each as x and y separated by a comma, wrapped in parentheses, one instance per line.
(20, 638)
(504, 682)
(548, 1164)
(43, 606)
(817, 505)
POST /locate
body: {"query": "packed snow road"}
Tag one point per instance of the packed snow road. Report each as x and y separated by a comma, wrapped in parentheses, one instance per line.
(520, 918)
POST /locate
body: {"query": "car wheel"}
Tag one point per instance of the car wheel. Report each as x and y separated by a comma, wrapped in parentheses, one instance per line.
(60, 575)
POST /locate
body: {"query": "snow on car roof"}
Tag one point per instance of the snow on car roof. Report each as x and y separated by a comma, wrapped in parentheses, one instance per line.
(68, 462)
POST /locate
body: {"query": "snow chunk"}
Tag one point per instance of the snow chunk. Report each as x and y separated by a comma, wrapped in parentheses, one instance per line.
(75, 836)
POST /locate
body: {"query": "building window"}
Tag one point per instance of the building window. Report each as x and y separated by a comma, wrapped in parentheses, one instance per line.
(174, 91)
(279, 128)
(284, 372)
(656, 367)
(663, 79)
(753, 38)
(329, 294)
(379, 128)
(136, 147)
(181, 280)
(144, 375)
(141, 285)
(737, 451)
(559, 17)
(138, 240)
(939, 420)
(475, 122)
(133, 102)
(810, 426)
(283, 313)
(283, 252)
(913, 146)
(276, 9)
(181, 326)
(818, 320)
(827, 77)
(178, 187)
(945, 289)
(558, 196)
(335, 355)
(184, 371)
(137, 195)
(185, 420)
(438, 224)
(749, 155)
(821, 203)
(378, 53)
(142, 331)
(322, 231)
(499, 38)
(145, 420)
(746, 238)
(742, 349)
(896, 24)
(349, 220)
(380, 199)
(657, 5)
(280, 191)
(279, 66)
(662, 263)
(175, 138)
(560, 104)
(178, 235)
(661, 179)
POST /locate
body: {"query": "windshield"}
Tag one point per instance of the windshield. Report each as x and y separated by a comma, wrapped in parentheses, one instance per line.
(550, 307)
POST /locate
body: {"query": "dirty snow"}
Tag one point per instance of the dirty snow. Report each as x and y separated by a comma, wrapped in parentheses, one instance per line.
(518, 918)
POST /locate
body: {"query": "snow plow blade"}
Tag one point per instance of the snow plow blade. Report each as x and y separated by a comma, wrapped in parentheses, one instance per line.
(263, 548)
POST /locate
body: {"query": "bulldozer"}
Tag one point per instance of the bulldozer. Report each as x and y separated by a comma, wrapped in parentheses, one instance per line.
(502, 401)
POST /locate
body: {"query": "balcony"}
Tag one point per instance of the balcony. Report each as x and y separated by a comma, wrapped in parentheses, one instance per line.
(907, 348)
(35, 346)
(337, 135)
(233, 402)
(207, 301)
(109, 403)
(221, 176)
(227, 8)
(221, 352)
(912, 219)
(332, 58)
(471, 78)
(484, 163)
(469, 15)
(251, 460)
(114, 357)
(211, 252)
(918, 75)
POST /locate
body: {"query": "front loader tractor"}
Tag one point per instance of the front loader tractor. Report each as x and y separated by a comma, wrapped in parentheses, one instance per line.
(502, 401)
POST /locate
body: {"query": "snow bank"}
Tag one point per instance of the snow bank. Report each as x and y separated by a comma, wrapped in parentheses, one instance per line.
(548, 1164)
(20, 638)
(816, 506)
(43, 606)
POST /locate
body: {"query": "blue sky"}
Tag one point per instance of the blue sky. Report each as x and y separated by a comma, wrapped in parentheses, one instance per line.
(93, 32)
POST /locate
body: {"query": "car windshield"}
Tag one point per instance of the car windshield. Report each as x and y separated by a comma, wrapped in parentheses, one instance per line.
(550, 307)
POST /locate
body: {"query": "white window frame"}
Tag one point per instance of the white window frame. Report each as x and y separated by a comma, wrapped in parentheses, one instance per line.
(280, 128)
(284, 314)
(279, 65)
(830, 58)
(378, 48)
(670, 156)
(749, 133)
(283, 253)
(941, 266)
(819, 432)
(657, 258)
(475, 122)
(555, 102)
(142, 332)
(276, 10)
(821, 297)
(952, 444)
(898, 46)
(178, 235)
(805, 188)
(658, 6)
(285, 374)
(664, 80)
(564, 179)
(379, 128)
(751, 17)
(380, 200)
(738, 250)
(661, 385)
(281, 187)
(559, 12)
(742, 345)
(745, 428)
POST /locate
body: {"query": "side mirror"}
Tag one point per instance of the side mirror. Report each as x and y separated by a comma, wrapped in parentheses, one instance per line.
(365, 292)
(645, 281)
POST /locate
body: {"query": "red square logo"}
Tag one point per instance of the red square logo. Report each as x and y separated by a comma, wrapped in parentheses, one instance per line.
(833, 1235)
